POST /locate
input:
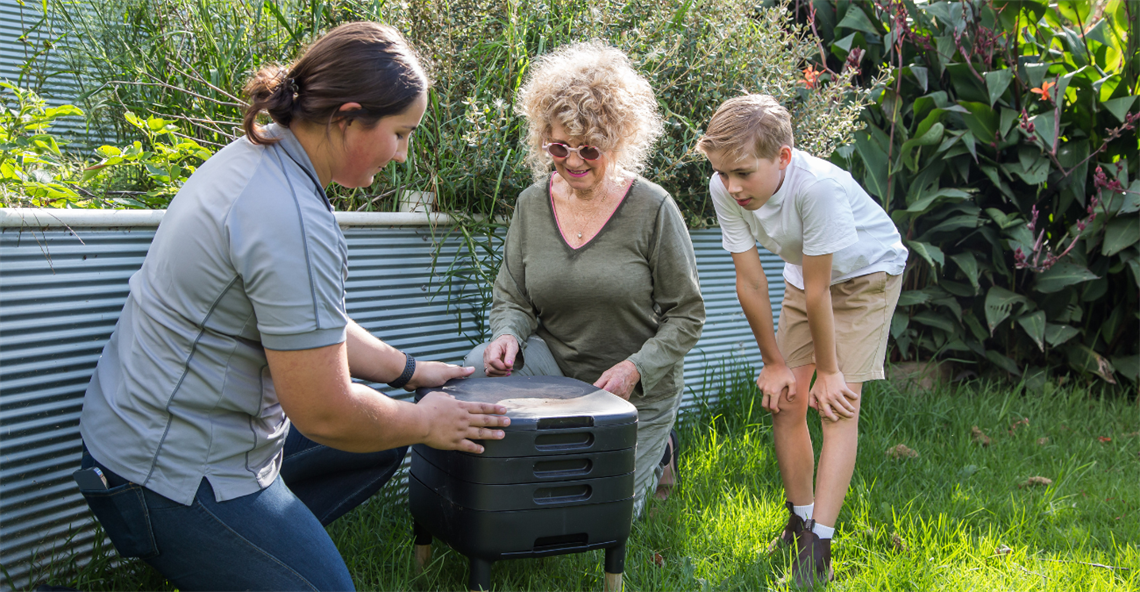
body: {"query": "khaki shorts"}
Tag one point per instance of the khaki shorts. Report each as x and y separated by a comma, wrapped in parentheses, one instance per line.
(863, 307)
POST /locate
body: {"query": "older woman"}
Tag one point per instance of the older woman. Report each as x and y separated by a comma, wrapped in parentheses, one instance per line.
(598, 280)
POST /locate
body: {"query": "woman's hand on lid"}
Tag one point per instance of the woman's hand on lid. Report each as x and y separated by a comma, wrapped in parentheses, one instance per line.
(499, 356)
(453, 424)
(620, 379)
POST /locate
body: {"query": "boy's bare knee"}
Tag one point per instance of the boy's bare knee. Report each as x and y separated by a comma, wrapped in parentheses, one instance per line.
(842, 423)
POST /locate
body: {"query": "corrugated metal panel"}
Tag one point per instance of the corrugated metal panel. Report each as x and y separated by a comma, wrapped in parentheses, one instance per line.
(60, 85)
(726, 342)
(60, 299)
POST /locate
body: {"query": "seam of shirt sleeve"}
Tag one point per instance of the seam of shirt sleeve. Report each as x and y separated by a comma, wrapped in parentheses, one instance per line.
(304, 238)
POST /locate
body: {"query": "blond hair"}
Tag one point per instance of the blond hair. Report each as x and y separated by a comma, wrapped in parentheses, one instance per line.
(747, 126)
(593, 91)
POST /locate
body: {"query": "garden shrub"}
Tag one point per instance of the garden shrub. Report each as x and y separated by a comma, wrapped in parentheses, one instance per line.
(1004, 147)
(695, 53)
(32, 165)
(36, 172)
(184, 61)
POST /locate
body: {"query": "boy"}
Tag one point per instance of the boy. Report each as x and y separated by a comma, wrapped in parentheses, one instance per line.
(843, 267)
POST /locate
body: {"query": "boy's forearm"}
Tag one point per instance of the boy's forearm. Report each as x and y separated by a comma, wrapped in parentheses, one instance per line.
(821, 321)
(821, 316)
(757, 308)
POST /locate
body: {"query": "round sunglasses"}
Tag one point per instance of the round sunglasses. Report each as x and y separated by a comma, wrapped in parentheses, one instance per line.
(560, 150)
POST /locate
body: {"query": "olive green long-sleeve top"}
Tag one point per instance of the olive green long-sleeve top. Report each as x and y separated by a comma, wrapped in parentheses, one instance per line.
(630, 293)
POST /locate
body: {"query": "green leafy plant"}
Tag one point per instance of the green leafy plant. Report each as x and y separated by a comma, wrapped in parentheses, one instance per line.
(33, 168)
(36, 172)
(1004, 148)
(155, 171)
(185, 62)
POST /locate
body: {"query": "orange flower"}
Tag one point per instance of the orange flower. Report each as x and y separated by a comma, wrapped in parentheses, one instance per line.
(811, 76)
(1044, 90)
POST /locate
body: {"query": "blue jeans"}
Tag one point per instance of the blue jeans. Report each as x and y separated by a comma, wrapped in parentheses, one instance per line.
(270, 540)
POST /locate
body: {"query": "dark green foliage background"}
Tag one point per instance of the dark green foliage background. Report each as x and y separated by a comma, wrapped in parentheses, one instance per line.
(948, 152)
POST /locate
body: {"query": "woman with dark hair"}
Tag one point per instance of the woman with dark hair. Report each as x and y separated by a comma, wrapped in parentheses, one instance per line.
(222, 429)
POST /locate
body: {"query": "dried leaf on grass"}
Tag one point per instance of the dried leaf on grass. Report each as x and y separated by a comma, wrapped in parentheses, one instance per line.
(1003, 550)
(658, 560)
(1036, 480)
(979, 436)
(898, 543)
(1021, 422)
(901, 451)
(1042, 441)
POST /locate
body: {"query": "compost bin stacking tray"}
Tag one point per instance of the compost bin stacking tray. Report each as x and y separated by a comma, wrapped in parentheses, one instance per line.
(550, 415)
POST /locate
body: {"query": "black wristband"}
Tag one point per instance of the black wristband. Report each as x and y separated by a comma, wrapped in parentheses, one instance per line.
(409, 370)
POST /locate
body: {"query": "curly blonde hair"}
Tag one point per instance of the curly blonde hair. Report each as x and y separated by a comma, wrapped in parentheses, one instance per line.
(594, 92)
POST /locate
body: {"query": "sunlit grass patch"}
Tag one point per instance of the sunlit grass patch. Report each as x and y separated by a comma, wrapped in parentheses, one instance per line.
(958, 516)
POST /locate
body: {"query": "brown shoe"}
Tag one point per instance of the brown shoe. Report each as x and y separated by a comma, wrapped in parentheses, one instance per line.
(791, 533)
(813, 560)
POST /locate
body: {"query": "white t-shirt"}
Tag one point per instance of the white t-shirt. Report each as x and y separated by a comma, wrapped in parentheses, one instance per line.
(819, 209)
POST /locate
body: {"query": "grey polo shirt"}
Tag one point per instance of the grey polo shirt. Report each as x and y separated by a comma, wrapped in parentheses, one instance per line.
(249, 256)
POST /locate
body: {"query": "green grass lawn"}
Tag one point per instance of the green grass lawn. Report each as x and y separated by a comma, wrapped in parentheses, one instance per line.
(956, 517)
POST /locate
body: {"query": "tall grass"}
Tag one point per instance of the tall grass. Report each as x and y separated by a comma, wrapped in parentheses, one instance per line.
(956, 517)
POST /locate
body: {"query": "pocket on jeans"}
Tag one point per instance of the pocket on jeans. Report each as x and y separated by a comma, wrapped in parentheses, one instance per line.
(123, 514)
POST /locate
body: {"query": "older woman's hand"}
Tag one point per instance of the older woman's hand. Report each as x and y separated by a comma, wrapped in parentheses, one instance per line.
(620, 379)
(499, 356)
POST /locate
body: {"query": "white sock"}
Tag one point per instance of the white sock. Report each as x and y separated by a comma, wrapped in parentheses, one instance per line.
(823, 532)
(804, 512)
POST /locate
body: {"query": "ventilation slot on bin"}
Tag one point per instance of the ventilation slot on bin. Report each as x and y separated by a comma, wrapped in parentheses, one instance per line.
(574, 441)
(559, 423)
(562, 541)
(562, 469)
(562, 495)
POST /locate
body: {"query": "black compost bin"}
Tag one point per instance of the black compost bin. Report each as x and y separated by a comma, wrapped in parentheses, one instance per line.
(560, 481)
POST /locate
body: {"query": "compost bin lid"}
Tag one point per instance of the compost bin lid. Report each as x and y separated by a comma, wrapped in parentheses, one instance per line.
(531, 399)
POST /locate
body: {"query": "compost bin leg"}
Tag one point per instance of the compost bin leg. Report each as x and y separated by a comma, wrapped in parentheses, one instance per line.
(615, 565)
(480, 577)
(423, 545)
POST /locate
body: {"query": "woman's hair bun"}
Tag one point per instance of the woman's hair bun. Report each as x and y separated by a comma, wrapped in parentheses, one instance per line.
(363, 62)
(265, 82)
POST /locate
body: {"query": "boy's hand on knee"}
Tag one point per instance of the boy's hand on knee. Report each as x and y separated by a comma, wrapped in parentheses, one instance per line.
(776, 381)
(831, 396)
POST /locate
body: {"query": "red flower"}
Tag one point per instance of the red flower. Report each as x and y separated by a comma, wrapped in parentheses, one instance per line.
(811, 76)
(1044, 90)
